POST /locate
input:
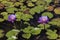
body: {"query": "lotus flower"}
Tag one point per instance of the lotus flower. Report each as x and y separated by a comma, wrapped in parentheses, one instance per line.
(43, 19)
(11, 17)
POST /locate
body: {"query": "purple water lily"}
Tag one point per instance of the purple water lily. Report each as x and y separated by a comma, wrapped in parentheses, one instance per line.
(43, 19)
(11, 17)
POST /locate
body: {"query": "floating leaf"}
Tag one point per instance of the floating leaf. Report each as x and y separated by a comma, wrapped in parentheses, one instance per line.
(26, 23)
(27, 36)
(11, 33)
(4, 13)
(55, 21)
(18, 3)
(32, 11)
(33, 0)
(36, 9)
(47, 26)
(6, 17)
(30, 4)
(50, 15)
(57, 10)
(21, 0)
(1, 33)
(52, 34)
(41, 26)
(48, 1)
(23, 8)
(40, 2)
(19, 15)
(56, 1)
(12, 38)
(28, 29)
(1, 6)
(1, 20)
(7, 4)
(11, 9)
(27, 17)
(39, 9)
(36, 31)
(50, 8)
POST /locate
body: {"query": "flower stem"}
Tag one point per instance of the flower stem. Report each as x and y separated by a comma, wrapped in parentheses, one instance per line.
(44, 26)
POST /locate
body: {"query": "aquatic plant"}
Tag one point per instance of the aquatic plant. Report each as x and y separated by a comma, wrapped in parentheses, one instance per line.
(51, 34)
(43, 19)
(1, 33)
(57, 10)
(55, 21)
(27, 19)
(30, 31)
(11, 18)
(12, 34)
(42, 26)
(49, 14)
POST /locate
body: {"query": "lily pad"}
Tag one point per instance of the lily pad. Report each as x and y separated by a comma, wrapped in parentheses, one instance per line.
(1, 20)
(28, 29)
(12, 38)
(55, 21)
(52, 34)
(27, 36)
(30, 4)
(27, 17)
(57, 10)
(11, 33)
(36, 31)
(1, 33)
(4, 13)
(42, 26)
(11, 9)
(49, 14)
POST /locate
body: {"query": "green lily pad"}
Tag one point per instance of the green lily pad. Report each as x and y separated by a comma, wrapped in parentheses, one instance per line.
(47, 26)
(27, 36)
(55, 21)
(52, 34)
(28, 29)
(11, 9)
(30, 4)
(12, 38)
(19, 15)
(48, 1)
(49, 14)
(16, 4)
(32, 11)
(40, 2)
(36, 31)
(36, 9)
(7, 4)
(4, 13)
(6, 17)
(33, 0)
(57, 10)
(27, 17)
(1, 20)
(1, 33)
(42, 26)
(13, 32)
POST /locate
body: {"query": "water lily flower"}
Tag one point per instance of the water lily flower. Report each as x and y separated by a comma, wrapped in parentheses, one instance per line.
(11, 17)
(43, 19)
